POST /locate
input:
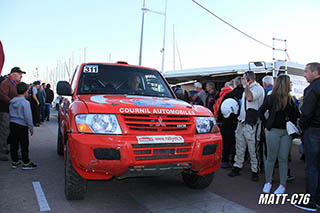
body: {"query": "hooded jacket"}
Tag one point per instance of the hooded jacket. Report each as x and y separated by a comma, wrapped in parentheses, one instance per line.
(20, 112)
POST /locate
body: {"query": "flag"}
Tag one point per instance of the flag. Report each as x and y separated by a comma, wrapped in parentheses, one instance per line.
(1, 57)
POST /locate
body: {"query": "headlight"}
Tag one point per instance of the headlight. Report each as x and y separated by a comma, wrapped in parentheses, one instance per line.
(205, 124)
(98, 123)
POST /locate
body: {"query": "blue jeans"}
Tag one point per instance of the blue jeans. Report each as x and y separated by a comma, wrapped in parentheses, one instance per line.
(311, 139)
(47, 110)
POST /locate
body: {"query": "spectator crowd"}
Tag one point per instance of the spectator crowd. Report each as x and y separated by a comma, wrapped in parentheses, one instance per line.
(259, 122)
(22, 107)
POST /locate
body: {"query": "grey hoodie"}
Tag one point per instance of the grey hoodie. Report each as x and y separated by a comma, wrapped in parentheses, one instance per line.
(20, 112)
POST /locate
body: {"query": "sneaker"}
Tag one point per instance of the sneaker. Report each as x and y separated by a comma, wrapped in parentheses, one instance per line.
(309, 207)
(234, 172)
(14, 165)
(280, 190)
(29, 165)
(267, 188)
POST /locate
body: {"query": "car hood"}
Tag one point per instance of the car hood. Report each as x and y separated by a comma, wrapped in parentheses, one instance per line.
(130, 104)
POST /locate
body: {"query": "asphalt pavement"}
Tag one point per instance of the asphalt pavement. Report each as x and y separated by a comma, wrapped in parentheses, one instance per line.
(42, 189)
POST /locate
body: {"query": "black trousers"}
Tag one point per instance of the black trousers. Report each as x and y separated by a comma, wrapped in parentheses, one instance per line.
(311, 139)
(35, 111)
(262, 148)
(19, 135)
(228, 136)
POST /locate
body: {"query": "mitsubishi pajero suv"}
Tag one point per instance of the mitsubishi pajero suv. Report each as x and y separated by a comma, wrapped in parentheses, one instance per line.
(123, 121)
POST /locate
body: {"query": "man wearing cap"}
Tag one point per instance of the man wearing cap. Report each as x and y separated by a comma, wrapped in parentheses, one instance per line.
(8, 91)
(194, 98)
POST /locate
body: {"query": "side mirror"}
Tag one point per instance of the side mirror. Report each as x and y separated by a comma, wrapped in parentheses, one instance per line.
(64, 88)
(182, 94)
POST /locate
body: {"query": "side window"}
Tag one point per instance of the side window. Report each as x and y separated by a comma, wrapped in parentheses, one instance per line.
(75, 79)
(153, 84)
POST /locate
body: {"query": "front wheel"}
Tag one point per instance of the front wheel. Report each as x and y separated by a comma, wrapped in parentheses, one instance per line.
(195, 181)
(75, 185)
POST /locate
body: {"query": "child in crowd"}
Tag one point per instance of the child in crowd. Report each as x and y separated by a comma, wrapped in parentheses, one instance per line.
(20, 124)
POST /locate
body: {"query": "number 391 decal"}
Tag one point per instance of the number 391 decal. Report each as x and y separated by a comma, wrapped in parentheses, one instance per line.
(91, 69)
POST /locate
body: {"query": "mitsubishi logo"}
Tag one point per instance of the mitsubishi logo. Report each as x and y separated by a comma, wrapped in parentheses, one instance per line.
(160, 122)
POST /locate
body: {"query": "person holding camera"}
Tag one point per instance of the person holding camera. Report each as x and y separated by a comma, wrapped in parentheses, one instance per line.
(248, 128)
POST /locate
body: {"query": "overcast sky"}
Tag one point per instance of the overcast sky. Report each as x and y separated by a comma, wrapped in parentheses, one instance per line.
(38, 33)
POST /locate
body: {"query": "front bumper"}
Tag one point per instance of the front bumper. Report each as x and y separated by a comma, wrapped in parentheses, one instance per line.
(105, 156)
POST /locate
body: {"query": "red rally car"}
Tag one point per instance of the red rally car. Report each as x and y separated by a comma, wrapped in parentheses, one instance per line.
(122, 121)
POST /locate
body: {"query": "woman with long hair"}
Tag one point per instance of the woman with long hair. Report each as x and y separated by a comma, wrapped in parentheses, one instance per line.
(282, 108)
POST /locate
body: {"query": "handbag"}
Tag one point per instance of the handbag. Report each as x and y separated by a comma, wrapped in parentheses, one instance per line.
(251, 114)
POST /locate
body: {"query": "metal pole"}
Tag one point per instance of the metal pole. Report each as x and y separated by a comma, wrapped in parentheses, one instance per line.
(164, 37)
(141, 38)
(70, 70)
(179, 55)
(72, 60)
(174, 48)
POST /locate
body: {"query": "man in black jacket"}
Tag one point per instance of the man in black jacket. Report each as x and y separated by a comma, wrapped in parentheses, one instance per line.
(229, 125)
(212, 92)
(310, 125)
(49, 99)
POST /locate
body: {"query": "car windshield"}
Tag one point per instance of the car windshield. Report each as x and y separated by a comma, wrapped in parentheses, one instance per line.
(117, 79)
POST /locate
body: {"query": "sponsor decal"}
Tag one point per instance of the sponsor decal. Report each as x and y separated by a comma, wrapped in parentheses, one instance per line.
(152, 103)
(155, 111)
(99, 99)
(160, 139)
(133, 110)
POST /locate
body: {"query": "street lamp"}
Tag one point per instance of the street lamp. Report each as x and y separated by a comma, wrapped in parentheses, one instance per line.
(144, 10)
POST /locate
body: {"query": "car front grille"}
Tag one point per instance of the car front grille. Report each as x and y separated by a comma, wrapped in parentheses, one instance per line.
(157, 123)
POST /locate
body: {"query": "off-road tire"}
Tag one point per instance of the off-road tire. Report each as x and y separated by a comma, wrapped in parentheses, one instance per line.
(195, 181)
(59, 143)
(75, 185)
